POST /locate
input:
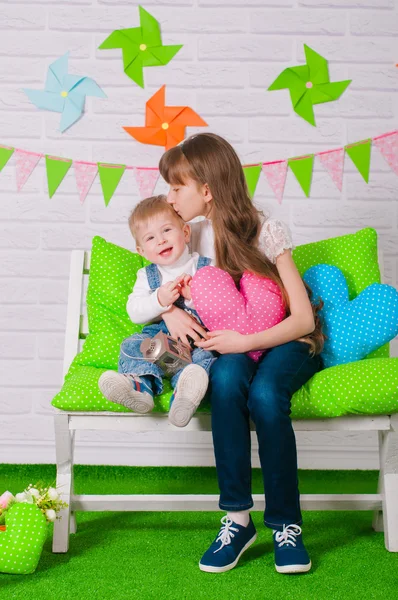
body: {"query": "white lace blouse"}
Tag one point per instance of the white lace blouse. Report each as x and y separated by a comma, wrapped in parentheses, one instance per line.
(274, 238)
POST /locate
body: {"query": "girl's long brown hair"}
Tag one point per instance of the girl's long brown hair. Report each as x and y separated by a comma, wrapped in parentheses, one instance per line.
(209, 159)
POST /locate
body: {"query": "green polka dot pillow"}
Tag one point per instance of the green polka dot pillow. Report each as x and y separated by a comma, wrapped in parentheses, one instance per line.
(112, 276)
(364, 387)
(113, 272)
(21, 544)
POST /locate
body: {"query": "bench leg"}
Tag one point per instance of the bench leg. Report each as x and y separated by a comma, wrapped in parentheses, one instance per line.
(72, 523)
(378, 524)
(64, 443)
(390, 487)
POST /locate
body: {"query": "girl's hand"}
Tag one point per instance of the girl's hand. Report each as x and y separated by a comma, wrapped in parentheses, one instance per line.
(185, 286)
(168, 293)
(180, 324)
(225, 342)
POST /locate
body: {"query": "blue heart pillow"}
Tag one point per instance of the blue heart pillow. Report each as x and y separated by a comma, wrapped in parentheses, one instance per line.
(353, 328)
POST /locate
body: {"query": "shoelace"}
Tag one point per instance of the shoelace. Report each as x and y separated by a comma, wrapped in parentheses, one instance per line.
(226, 533)
(288, 535)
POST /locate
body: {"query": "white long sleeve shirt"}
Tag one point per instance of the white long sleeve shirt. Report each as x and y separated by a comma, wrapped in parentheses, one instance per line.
(275, 237)
(143, 305)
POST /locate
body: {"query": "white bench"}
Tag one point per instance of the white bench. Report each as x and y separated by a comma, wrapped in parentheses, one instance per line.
(384, 503)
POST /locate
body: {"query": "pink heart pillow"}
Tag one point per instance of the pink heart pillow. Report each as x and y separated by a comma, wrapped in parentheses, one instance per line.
(256, 306)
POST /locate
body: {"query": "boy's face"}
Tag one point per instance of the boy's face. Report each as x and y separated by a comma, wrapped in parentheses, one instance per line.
(190, 200)
(162, 239)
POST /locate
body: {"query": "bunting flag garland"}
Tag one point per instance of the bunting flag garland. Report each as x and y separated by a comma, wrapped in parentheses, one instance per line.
(360, 156)
(333, 161)
(85, 174)
(56, 171)
(5, 155)
(275, 173)
(252, 174)
(25, 163)
(110, 176)
(146, 177)
(302, 169)
(388, 146)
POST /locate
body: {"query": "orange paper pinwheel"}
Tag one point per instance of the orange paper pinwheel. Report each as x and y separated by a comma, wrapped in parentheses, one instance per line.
(164, 125)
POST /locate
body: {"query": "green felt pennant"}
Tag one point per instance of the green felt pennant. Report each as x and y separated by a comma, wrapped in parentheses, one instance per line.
(252, 175)
(110, 175)
(5, 155)
(56, 168)
(302, 169)
(360, 156)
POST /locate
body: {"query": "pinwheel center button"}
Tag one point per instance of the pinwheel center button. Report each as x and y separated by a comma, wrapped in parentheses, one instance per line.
(64, 94)
(165, 125)
(309, 84)
(143, 47)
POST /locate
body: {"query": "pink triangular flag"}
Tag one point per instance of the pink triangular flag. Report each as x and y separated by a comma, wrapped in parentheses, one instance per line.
(333, 162)
(25, 163)
(388, 146)
(275, 173)
(146, 179)
(85, 174)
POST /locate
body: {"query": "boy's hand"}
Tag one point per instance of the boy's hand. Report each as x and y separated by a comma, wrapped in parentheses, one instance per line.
(168, 293)
(184, 286)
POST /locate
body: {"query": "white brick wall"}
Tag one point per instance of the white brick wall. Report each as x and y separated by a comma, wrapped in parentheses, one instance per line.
(232, 52)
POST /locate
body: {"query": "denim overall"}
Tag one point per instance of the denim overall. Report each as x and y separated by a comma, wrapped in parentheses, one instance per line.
(131, 360)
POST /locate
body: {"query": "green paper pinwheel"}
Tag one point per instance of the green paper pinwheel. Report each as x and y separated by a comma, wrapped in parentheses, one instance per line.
(309, 84)
(141, 46)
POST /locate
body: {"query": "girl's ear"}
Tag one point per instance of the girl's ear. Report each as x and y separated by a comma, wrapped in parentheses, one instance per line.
(207, 196)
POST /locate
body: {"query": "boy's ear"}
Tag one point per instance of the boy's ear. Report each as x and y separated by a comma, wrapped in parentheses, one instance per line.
(187, 232)
(139, 250)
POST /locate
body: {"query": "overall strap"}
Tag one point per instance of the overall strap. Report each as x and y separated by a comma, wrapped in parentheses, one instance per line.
(203, 261)
(153, 275)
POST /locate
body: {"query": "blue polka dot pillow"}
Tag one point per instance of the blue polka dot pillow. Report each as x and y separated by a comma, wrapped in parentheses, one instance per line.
(354, 328)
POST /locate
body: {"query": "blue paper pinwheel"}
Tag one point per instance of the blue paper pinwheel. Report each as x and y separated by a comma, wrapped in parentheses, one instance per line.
(64, 93)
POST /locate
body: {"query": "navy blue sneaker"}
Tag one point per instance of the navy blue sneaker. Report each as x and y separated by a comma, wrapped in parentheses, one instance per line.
(231, 542)
(290, 553)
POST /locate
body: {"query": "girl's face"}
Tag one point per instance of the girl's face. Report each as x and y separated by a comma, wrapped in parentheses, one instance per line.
(190, 200)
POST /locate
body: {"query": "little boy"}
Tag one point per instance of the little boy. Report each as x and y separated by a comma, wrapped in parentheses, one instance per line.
(161, 237)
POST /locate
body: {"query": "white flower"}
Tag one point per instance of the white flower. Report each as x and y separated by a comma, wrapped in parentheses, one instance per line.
(53, 494)
(51, 514)
(24, 497)
(34, 492)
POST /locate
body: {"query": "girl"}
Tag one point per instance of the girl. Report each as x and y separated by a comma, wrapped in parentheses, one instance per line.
(206, 179)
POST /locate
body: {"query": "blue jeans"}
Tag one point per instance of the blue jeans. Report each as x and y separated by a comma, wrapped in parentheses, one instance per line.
(131, 360)
(240, 390)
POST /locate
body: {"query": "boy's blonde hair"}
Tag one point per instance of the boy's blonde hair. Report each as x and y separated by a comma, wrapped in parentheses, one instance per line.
(149, 208)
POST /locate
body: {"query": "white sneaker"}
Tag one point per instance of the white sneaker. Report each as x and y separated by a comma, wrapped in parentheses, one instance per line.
(189, 392)
(127, 390)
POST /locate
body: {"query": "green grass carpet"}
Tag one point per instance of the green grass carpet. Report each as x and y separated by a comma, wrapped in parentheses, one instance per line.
(123, 556)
